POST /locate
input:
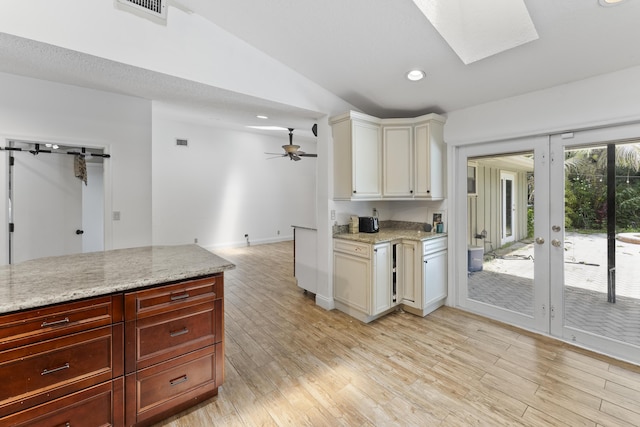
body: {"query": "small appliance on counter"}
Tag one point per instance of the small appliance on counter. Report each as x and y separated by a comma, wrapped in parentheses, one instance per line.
(369, 224)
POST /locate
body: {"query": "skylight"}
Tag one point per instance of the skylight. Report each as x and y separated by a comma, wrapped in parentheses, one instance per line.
(478, 29)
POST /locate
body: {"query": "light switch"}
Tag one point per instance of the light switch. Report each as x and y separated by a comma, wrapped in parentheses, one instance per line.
(116, 215)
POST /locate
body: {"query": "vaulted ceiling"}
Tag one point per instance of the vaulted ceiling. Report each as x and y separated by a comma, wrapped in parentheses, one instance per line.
(361, 50)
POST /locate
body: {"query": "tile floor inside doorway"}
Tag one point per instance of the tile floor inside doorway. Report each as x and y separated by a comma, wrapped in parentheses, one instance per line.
(506, 281)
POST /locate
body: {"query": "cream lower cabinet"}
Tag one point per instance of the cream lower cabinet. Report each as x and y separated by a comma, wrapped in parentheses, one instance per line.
(362, 279)
(426, 286)
(370, 281)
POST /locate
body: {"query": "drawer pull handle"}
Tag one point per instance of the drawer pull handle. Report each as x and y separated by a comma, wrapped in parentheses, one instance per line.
(178, 333)
(57, 322)
(179, 297)
(178, 380)
(51, 371)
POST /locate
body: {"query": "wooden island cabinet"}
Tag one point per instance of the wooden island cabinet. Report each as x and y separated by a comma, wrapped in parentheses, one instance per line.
(131, 357)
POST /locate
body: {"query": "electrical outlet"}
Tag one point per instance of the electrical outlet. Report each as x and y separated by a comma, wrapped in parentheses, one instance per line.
(116, 215)
(195, 240)
(278, 232)
(375, 212)
(333, 214)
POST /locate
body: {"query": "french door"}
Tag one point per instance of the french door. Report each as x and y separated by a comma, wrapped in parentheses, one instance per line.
(557, 276)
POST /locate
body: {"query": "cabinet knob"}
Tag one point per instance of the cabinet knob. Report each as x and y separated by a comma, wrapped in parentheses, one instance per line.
(426, 262)
(354, 191)
(428, 191)
(411, 191)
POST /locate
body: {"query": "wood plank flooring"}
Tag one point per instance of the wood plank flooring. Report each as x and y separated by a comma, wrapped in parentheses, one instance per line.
(291, 363)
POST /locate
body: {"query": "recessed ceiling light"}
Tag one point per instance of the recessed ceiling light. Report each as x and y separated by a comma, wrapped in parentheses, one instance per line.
(607, 3)
(415, 75)
(260, 116)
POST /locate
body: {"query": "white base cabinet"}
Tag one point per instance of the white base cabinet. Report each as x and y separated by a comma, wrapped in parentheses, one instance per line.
(430, 261)
(362, 279)
(370, 281)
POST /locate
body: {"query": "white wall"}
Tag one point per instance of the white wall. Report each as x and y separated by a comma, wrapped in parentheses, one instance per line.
(598, 101)
(188, 46)
(39, 110)
(222, 186)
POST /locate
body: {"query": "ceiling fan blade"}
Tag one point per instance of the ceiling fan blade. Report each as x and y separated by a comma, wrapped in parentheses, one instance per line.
(276, 154)
(294, 157)
(276, 157)
(306, 154)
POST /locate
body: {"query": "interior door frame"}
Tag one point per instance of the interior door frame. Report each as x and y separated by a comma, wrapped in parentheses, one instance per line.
(539, 145)
(107, 190)
(558, 143)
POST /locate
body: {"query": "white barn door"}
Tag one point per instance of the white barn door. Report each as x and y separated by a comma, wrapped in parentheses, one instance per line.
(46, 206)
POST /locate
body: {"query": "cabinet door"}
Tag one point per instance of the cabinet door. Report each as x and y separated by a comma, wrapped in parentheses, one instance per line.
(382, 286)
(410, 274)
(429, 154)
(435, 277)
(397, 149)
(366, 160)
(352, 280)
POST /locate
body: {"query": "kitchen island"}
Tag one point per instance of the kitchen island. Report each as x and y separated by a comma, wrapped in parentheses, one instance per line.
(121, 337)
(376, 273)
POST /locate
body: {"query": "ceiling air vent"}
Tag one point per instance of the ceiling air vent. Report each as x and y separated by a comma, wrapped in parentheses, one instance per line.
(156, 8)
(182, 142)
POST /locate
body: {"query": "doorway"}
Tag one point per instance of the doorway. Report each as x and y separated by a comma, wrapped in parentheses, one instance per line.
(559, 276)
(51, 210)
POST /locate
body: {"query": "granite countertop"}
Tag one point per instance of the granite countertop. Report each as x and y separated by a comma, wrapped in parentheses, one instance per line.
(52, 280)
(387, 235)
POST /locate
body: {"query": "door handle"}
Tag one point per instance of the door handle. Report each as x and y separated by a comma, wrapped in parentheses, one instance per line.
(556, 243)
(78, 232)
(539, 240)
(556, 228)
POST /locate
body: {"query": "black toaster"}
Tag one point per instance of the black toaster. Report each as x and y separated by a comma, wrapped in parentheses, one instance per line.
(368, 224)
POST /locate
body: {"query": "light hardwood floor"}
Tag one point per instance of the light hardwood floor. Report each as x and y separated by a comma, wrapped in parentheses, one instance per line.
(291, 363)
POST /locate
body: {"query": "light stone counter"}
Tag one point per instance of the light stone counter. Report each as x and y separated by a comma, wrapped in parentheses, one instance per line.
(389, 235)
(51, 280)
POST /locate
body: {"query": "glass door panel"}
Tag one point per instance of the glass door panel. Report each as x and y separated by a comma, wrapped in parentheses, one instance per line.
(595, 259)
(503, 279)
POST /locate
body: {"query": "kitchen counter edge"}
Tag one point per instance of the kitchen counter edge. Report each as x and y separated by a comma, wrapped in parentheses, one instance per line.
(52, 280)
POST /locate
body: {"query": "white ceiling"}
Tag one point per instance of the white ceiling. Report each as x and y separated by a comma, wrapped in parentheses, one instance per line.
(360, 50)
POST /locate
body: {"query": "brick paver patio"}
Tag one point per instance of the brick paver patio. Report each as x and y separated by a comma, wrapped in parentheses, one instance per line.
(507, 281)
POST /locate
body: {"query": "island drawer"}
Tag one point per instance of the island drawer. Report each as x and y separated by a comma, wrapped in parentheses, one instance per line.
(352, 248)
(154, 301)
(35, 373)
(91, 407)
(50, 322)
(162, 387)
(174, 333)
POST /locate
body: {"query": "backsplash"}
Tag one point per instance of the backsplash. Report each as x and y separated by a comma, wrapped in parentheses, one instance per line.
(386, 225)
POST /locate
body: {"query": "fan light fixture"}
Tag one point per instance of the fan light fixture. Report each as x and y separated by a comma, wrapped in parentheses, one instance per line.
(416, 75)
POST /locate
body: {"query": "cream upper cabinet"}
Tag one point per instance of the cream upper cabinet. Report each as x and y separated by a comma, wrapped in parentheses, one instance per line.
(397, 161)
(430, 158)
(357, 157)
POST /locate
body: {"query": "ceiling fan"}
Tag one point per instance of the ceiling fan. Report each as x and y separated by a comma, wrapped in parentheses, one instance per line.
(292, 151)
